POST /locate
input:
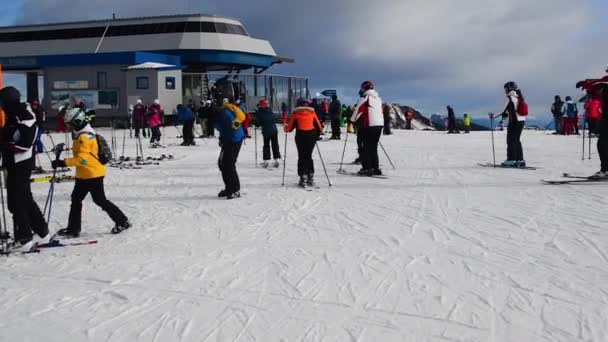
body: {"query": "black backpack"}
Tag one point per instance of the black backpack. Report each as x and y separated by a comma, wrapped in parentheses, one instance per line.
(104, 151)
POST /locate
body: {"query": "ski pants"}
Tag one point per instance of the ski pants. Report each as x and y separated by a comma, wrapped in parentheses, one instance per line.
(227, 165)
(155, 135)
(210, 129)
(360, 143)
(271, 140)
(602, 143)
(558, 124)
(26, 213)
(593, 125)
(371, 138)
(387, 126)
(187, 131)
(575, 123)
(306, 142)
(138, 123)
(82, 187)
(514, 148)
(335, 127)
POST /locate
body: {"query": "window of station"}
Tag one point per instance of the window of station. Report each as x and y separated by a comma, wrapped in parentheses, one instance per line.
(124, 30)
(142, 82)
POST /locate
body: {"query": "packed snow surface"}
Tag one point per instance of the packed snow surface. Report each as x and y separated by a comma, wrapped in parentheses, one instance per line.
(442, 250)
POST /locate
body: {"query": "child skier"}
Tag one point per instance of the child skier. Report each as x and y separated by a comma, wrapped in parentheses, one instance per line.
(155, 120)
(266, 118)
(90, 173)
(517, 121)
(308, 129)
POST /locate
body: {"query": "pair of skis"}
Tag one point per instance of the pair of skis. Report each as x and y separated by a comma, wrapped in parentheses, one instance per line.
(571, 179)
(56, 244)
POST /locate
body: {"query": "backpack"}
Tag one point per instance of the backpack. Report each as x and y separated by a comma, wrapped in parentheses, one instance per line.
(522, 107)
(104, 152)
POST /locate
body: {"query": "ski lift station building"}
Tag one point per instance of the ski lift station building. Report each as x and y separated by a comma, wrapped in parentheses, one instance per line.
(109, 64)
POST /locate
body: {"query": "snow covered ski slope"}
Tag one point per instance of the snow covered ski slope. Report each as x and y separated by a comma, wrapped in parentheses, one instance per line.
(442, 250)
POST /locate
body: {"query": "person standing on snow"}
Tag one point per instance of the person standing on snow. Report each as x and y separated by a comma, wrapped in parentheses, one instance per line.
(229, 122)
(90, 174)
(155, 121)
(557, 109)
(467, 123)
(517, 122)
(368, 113)
(386, 112)
(335, 110)
(266, 118)
(308, 129)
(571, 111)
(185, 116)
(451, 121)
(18, 137)
(139, 117)
(40, 118)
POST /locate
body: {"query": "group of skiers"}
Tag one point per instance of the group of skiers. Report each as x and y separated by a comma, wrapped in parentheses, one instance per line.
(452, 126)
(143, 116)
(17, 139)
(565, 116)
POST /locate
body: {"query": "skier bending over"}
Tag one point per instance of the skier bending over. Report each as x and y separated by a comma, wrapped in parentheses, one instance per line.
(598, 89)
(90, 173)
(517, 120)
(308, 129)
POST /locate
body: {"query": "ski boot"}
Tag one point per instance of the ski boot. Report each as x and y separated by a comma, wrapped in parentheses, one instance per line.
(365, 172)
(222, 193)
(377, 172)
(67, 233)
(357, 161)
(23, 246)
(600, 175)
(119, 228)
(276, 163)
(302, 182)
(265, 164)
(233, 195)
(310, 179)
(521, 163)
(509, 163)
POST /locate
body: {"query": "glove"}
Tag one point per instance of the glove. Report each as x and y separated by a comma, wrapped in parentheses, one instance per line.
(58, 163)
(504, 115)
(579, 84)
(236, 125)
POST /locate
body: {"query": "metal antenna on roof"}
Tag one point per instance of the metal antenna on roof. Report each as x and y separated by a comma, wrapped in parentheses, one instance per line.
(113, 16)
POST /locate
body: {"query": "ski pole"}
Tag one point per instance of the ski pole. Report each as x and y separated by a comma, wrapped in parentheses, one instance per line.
(323, 163)
(343, 151)
(124, 138)
(492, 131)
(255, 144)
(584, 126)
(49, 198)
(4, 236)
(387, 157)
(589, 133)
(284, 160)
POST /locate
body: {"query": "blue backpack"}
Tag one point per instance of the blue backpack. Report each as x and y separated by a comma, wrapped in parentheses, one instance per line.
(571, 110)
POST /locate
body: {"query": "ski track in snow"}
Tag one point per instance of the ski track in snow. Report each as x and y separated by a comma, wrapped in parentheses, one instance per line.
(443, 250)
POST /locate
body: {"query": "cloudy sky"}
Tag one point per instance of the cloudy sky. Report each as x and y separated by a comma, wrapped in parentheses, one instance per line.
(426, 54)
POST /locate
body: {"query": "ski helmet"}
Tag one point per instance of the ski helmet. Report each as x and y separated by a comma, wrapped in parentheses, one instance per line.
(510, 86)
(156, 101)
(9, 96)
(365, 86)
(263, 103)
(139, 101)
(76, 118)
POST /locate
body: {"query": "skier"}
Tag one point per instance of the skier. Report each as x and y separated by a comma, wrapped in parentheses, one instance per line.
(139, 116)
(571, 111)
(335, 110)
(557, 109)
(40, 118)
(185, 115)
(598, 89)
(18, 137)
(386, 112)
(90, 173)
(203, 119)
(308, 129)
(516, 113)
(229, 121)
(467, 123)
(451, 121)
(369, 115)
(593, 114)
(155, 121)
(266, 118)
